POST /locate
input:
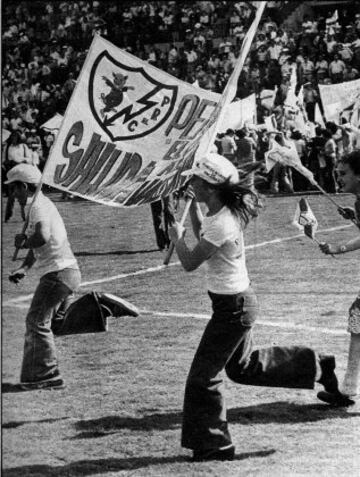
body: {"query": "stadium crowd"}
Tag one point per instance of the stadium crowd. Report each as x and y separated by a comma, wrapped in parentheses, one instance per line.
(45, 44)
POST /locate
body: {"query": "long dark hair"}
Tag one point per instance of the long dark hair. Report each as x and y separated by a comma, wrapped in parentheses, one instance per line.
(243, 202)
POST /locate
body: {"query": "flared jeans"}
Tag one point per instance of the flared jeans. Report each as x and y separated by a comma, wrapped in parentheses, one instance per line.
(39, 359)
(227, 344)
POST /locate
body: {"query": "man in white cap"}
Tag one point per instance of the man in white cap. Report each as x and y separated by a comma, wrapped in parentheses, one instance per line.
(48, 245)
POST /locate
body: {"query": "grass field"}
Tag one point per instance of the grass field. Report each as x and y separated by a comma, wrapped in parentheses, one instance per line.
(120, 413)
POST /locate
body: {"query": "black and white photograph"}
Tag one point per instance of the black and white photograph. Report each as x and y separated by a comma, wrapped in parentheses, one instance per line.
(180, 237)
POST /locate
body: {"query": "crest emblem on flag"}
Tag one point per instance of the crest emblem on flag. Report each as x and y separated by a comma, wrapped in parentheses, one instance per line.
(126, 101)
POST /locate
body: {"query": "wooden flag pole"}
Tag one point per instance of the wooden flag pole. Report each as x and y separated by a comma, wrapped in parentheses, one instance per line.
(228, 95)
(182, 221)
(326, 194)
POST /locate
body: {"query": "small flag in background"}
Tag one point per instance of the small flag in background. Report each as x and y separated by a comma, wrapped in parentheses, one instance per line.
(287, 156)
(305, 219)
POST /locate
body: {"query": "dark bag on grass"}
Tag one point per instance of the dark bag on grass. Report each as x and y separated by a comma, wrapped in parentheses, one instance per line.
(85, 315)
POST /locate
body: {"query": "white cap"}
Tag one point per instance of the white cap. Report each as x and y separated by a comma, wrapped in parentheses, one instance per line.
(24, 173)
(214, 169)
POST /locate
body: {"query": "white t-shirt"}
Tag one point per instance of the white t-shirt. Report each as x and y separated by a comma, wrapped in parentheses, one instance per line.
(226, 269)
(56, 254)
(18, 153)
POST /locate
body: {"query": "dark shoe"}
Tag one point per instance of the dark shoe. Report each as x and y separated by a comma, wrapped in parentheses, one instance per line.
(214, 454)
(56, 326)
(335, 399)
(118, 306)
(57, 383)
(328, 377)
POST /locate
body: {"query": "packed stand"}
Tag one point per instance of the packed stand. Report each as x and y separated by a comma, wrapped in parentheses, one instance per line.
(45, 44)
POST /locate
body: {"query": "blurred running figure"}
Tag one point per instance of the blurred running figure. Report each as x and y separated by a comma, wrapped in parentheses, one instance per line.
(48, 246)
(163, 215)
(227, 342)
(348, 171)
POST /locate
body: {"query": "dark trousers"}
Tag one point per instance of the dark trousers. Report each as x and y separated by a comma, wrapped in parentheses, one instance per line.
(163, 216)
(227, 343)
(39, 360)
(327, 178)
(10, 204)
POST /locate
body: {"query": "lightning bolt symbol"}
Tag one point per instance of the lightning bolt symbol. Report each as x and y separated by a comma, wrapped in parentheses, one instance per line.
(128, 113)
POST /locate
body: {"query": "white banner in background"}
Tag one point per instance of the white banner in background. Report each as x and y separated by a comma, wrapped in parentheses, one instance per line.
(336, 98)
(238, 113)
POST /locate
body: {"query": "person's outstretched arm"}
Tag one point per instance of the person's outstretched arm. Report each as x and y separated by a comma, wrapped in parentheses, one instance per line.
(350, 246)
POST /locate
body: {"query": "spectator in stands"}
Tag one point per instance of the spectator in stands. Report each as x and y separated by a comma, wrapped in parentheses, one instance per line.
(281, 176)
(245, 154)
(16, 152)
(328, 181)
(321, 68)
(311, 97)
(337, 69)
(228, 145)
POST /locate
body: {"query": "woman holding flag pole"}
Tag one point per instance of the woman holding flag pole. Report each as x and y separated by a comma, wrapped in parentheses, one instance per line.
(227, 342)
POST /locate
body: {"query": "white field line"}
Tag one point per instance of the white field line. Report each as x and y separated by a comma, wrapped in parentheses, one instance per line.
(199, 316)
(158, 268)
(283, 325)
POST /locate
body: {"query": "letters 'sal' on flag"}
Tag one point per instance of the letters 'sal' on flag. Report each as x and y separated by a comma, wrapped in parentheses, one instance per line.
(130, 129)
(287, 156)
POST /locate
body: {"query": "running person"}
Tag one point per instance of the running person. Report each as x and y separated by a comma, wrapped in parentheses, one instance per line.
(227, 342)
(348, 171)
(48, 246)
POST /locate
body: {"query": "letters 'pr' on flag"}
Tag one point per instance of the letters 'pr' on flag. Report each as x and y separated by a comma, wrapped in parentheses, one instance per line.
(130, 129)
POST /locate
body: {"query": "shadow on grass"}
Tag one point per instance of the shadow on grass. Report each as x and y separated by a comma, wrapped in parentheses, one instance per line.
(15, 424)
(16, 388)
(11, 388)
(115, 252)
(101, 466)
(282, 412)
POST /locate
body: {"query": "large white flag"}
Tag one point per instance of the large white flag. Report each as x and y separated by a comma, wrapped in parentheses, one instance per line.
(130, 129)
